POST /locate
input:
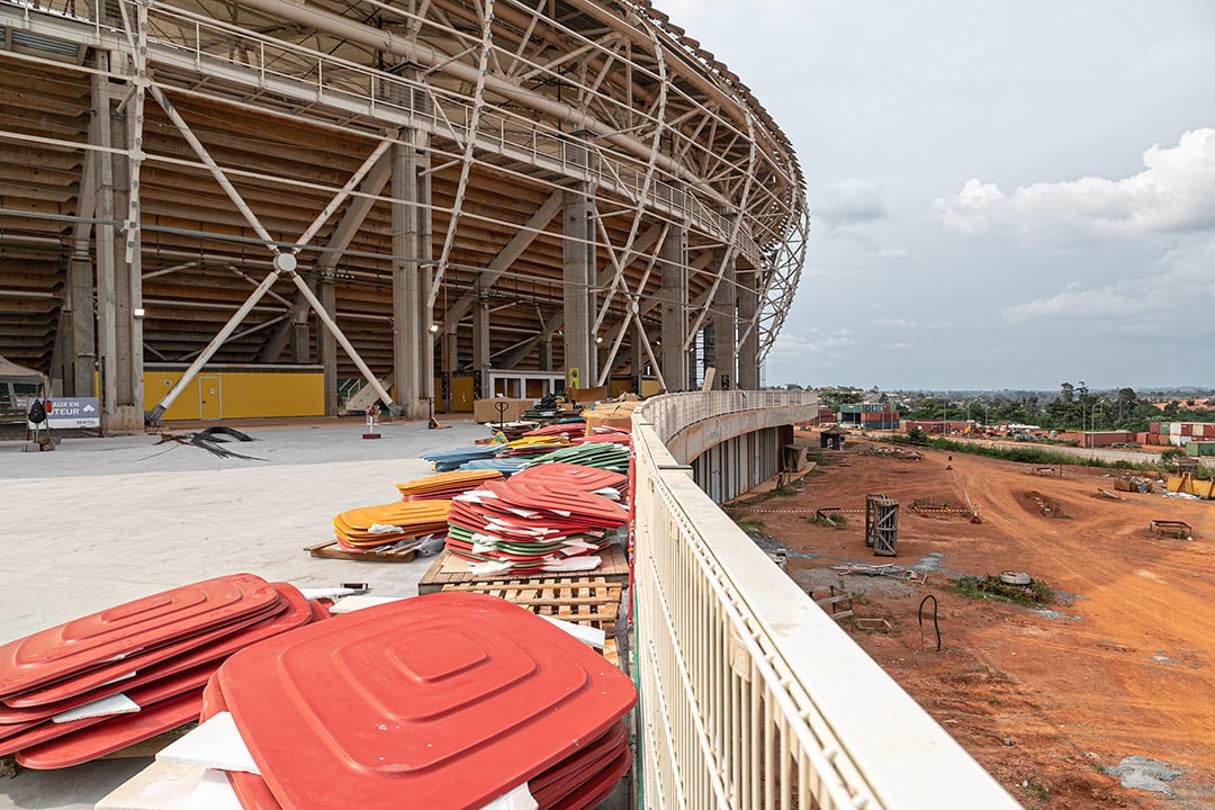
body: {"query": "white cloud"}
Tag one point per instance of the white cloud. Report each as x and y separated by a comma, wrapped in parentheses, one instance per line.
(1177, 299)
(814, 347)
(850, 203)
(893, 254)
(1174, 193)
(900, 345)
(910, 323)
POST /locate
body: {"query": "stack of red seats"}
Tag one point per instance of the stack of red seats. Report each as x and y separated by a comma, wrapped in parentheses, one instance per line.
(94, 685)
(446, 700)
(562, 475)
(533, 524)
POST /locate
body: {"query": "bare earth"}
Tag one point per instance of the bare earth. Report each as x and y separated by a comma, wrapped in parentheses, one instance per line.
(1120, 667)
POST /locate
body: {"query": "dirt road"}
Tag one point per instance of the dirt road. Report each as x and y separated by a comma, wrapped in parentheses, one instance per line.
(1047, 700)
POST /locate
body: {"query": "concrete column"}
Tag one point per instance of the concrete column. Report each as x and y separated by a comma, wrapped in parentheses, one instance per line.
(410, 330)
(301, 338)
(481, 338)
(580, 349)
(725, 338)
(424, 252)
(82, 348)
(326, 343)
(673, 259)
(546, 355)
(748, 349)
(636, 356)
(120, 340)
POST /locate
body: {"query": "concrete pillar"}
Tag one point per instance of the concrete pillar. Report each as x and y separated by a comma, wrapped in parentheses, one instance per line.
(413, 342)
(673, 260)
(326, 343)
(637, 358)
(546, 355)
(424, 252)
(120, 338)
(725, 338)
(82, 347)
(748, 349)
(481, 338)
(580, 349)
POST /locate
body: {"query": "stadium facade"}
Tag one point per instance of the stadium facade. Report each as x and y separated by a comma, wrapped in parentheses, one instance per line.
(402, 193)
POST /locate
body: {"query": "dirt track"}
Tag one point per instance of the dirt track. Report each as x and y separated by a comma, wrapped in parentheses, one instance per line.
(1046, 702)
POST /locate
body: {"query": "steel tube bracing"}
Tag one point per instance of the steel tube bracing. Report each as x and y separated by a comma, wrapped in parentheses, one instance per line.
(509, 105)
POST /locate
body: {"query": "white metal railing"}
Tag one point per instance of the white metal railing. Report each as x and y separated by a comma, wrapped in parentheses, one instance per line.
(751, 696)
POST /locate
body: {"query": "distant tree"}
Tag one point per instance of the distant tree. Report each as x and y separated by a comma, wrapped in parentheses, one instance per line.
(1067, 392)
(836, 397)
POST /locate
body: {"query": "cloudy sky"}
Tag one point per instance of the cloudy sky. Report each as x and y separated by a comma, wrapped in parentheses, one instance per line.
(1003, 195)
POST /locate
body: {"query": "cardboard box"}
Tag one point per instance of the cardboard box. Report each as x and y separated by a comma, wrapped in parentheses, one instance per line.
(585, 396)
(611, 414)
(486, 410)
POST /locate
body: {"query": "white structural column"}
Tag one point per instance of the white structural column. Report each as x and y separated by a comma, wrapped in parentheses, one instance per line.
(80, 347)
(580, 355)
(411, 332)
(481, 345)
(748, 343)
(119, 340)
(725, 335)
(674, 297)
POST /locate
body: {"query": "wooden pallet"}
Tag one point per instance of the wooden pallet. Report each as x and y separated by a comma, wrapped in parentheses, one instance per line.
(589, 601)
(332, 551)
(448, 569)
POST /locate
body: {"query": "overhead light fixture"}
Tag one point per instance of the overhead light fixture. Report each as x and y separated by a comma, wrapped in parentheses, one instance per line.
(434, 327)
(599, 338)
(138, 312)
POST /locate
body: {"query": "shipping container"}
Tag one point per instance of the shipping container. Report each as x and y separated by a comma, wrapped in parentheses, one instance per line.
(1200, 449)
(1187, 429)
(1153, 427)
(1141, 438)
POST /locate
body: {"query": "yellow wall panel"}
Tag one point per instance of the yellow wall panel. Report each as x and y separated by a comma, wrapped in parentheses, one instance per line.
(242, 394)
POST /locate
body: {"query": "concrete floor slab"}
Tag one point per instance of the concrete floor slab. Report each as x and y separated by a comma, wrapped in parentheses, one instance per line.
(98, 522)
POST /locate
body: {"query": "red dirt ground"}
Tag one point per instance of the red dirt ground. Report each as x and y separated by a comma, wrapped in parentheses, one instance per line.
(1043, 703)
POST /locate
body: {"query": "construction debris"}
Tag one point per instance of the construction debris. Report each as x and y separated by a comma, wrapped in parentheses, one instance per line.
(902, 572)
(1178, 529)
(211, 440)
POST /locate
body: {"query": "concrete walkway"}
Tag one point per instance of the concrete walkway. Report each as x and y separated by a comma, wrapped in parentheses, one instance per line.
(98, 522)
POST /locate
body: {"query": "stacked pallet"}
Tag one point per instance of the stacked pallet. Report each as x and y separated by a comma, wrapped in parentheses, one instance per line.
(100, 683)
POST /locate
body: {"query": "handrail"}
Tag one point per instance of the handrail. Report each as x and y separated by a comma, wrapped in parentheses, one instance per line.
(750, 695)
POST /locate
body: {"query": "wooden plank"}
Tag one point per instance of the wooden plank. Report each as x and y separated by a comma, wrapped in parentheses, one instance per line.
(448, 569)
(589, 601)
(332, 551)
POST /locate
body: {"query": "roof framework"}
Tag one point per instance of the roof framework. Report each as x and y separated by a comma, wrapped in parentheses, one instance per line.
(262, 127)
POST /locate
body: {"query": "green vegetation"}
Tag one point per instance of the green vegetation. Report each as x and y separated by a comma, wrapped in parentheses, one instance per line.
(1038, 792)
(1075, 407)
(834, 520)
(988, 587)
(750, 525)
